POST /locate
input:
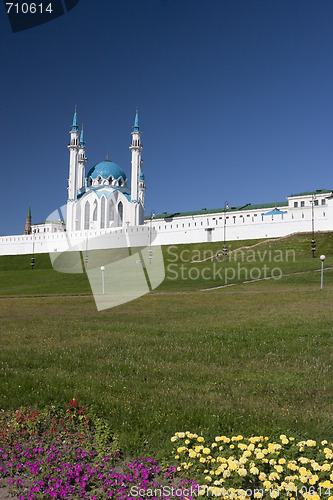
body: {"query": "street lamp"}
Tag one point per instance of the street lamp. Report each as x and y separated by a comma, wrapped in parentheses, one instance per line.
(313, 243)
(224, 231)
(322, 258)
(103, 269)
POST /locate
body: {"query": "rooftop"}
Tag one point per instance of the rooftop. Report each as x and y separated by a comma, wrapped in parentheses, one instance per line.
(307, 193)
(205, 211)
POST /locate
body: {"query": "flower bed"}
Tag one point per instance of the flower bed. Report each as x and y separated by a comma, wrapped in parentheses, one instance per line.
(73, 454)
(257, 467)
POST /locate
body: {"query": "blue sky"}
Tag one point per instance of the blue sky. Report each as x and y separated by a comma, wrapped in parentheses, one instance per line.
(235, 101)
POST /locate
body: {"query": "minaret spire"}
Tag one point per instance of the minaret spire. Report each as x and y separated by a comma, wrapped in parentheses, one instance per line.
(81, 141)
(136, 127)
(27, 229)
(75, 125)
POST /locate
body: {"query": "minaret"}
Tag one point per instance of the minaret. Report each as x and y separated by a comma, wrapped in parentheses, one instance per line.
(27, 229)
(136, 150)
(82, 160)
(73, 172)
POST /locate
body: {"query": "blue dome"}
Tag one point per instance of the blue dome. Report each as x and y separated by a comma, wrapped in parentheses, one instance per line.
(105, 169)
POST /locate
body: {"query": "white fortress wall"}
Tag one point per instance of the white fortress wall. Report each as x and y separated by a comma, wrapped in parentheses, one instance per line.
(240, 225)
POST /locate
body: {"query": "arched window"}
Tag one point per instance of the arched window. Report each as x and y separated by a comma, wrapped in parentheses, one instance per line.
(111, 211)
(95, 211)
(86, 215)
(120, 213)
(103, 212)
(120, 182)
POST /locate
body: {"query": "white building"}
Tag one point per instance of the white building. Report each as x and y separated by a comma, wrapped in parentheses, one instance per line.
(304, 212)
(102, 199)
(103, 210)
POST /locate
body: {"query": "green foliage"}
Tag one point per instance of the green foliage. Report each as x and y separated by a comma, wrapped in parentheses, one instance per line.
(252, 358)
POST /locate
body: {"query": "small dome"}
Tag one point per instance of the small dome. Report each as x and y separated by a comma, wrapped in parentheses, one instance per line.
(105, 169)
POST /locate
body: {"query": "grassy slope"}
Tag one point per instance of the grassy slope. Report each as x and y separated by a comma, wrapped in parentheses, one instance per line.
(221, 363)
(17, 279)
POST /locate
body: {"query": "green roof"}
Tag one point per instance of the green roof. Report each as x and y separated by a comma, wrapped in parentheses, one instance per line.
(204, 211)
(307, 193)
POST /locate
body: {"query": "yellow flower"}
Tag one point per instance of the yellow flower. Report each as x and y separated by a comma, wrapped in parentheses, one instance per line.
(206, 451)
(200, 439)
(310, 442)
(254, 470)
(208, 479)
(326, 484)
(202, 460)
(262, 476)
(242, 472)
(180, 434)
(173, 439)
(257, 494)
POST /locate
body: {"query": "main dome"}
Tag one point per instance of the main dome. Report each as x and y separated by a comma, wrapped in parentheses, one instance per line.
(105, 169)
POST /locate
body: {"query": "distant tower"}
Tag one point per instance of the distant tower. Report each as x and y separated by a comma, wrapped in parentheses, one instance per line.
(136, 149)
(27, 229)
(82, 160)
(73, 180)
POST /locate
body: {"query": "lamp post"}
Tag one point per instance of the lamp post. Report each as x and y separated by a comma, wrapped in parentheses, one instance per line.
(313, 243)
(224, 232)
(103, 289)
(322, 258)
(150, 252)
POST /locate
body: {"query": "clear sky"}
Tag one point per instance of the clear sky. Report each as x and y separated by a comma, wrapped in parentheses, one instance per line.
(235, 100)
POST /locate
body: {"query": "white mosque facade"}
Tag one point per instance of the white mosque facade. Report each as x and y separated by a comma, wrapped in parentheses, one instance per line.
(102, 207)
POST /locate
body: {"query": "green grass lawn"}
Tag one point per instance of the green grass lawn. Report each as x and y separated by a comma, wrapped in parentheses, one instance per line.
(220, 362)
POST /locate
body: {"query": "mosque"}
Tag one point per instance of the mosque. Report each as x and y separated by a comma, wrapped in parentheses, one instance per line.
(103, 203)
(102, 199)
